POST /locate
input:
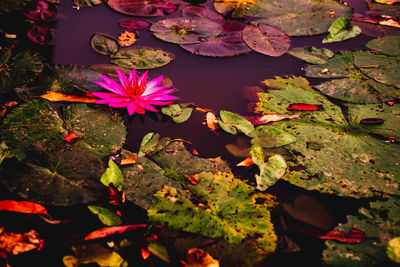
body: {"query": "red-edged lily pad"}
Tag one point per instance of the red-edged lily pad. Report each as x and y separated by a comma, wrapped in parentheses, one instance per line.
(134, 24)
(183, 30)
(202, 12)
(228, 43)
(143, 8)
(266, 40)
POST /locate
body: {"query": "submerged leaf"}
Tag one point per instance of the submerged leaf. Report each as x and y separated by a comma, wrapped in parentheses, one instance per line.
(142, 58)
(312, 54)
(143, 8)
(86, 253)
(104, 44)
(353, 236)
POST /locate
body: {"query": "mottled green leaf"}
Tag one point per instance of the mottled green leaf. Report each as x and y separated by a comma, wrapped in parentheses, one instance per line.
(341, 30)
(86, 3)
(149, 143)
(232, 210)
(231, 122)
(178, 112)
(104, 44)
(270, 137)
(297, 18)
(112, 175)
(393, 249)
(389, 45)
(103, 130)
(311, 54)
(380, 223)
(159, 250)
(106, 216)
(185, 30)
(142, 57)
(270, 171)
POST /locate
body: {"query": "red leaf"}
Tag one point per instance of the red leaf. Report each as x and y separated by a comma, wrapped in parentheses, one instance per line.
(115, 196)
(17, 243)
(127, 161)
(145, 253)
(22, 207)
(135, 24)
(192, 180)
(11, 103)
(304, 107)
(107, 231)
(71, 137)
(246, 162)
(257, 120)
(354, 236)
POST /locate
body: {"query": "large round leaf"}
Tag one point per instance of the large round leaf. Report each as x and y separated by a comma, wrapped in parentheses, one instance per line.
(142, 58)
(104, 44)
(228, 43)
(389, 45)
(312, 54)
(182, 30)
(202, 12)
(266, 40)
(144, 8)
(299, 17)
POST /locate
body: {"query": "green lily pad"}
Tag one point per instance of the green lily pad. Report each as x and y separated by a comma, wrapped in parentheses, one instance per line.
(270, 137)
(356, 86)
(103, 130)
(104, 44)
(380, 224)
(297, 18)
(18, 70)
(266, 40)
(112, 175)
(312, 54)
(185, 30)
(330, 154)
(231, 210)
(178, 112)
(231, 123)
(381, 68)
(142, 57)
(7, 6)
(389, 45)
(106, 216)
(341, 30)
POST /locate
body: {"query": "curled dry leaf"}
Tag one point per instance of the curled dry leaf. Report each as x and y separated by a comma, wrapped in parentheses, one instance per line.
(264, 119)
(57, 96)
(145, 253)
(212, 121)
(127, 161)
(246, 162)
(196, 257)
(22, 207)
(107, 231)
(17, 243)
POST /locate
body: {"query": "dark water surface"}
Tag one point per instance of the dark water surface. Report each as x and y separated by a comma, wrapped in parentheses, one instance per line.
(213, 83)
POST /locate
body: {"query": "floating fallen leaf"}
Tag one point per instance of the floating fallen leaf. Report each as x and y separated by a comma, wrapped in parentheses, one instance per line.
(246, 162)
(127, 161)
(107, 231)
(17, 243)
(11, 104)
(257, 120)
(156, 248)
(393, 249)
(71, 136)
(22, 207)
(353, 236)
(196, 257)
(56, 97)
(304, 107)
(145, 253)
(127, 38)
(112, 175)
(106, 216)
(192, 180)
(371, 121)
(212, 121)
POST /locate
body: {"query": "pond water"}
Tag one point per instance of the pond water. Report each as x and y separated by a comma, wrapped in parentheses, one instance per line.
(212, 83)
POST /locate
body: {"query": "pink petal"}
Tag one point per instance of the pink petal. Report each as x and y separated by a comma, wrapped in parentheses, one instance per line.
(111, 88)
(122, 77)
(143, 78)
(132, 75)
(153, 90)
(140, 110)
(104, 95)
(159, 103)
(132, 107)
(155, 82)
(159, 93)
(113, 85)
(119, 105)
(113, 100)
(147, 106)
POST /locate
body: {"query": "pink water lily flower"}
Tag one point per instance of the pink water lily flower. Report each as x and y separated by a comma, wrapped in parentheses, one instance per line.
(136, 94)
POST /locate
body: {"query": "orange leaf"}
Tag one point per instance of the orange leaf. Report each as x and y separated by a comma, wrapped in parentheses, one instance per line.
(390, 22)
(196, 257)
(257, 120)
(115, 196)
(192, 180)
(354, 236)
(202, 109)
(17, 243)
(56, 96)
(22, 207)
(107, 231)
(127, 161)
(71, 137)
(212, 121)
(246, 162)
(11, 103)
(145, 253)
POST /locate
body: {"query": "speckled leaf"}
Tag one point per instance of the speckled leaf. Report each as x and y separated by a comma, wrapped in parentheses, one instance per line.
(266, 40)
(18, 70)
(393, 249)
(86, 253)
(12, 5)
(103, 130)
(104, 44)
(380, 223)
(178, 112)
(297, 18)
(311, 54)
(231, 123)
(202, 12)
(142, 58)
(341, 30)
(106, 216)
(112, 175)
(185, 30)
(376, 30)
(159, 250)
(380, 9)
(381, 68)
(389, 45)
(148, 144)
(143, 8)
(330, 154)
(228, 43)
(270, 137)
(86, 3)
(222, 196)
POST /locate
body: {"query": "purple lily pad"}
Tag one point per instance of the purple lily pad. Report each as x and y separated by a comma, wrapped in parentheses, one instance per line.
(134, 24)
(182, 30)
(42, 11)
(144, 8)
(202, 12)
(266, 40)
(376, 30)
(40, 35)
(228, 43)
